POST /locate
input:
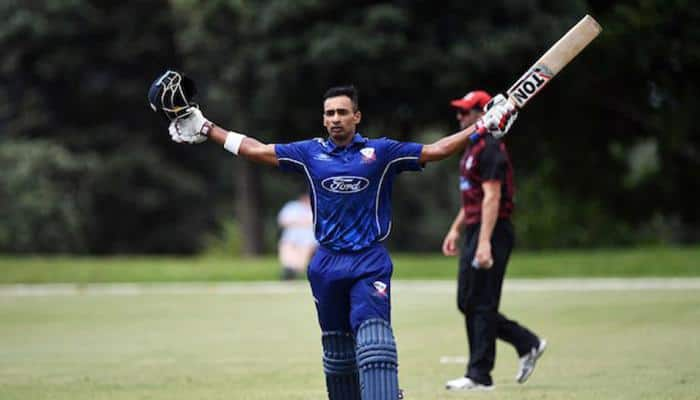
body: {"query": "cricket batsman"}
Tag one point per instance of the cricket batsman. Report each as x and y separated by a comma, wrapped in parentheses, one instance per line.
(486, 185)
(350, 178)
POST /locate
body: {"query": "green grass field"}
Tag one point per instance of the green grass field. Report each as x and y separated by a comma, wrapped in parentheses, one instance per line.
(248, 345)
(600, 263)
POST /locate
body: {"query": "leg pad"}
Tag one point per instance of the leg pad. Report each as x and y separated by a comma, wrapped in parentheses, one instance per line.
(377, 360)
(342, 380)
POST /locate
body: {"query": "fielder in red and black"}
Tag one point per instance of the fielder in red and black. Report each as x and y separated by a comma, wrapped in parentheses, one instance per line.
(487, 188)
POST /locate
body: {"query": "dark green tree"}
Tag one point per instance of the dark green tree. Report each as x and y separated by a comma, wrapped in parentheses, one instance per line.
(605, 156)
(77, 73)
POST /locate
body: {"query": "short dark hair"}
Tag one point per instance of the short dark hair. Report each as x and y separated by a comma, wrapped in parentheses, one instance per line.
(347, 90)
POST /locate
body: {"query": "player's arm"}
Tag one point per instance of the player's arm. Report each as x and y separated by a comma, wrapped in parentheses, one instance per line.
(489, 215)
(450, 145)
(172, 93)
(249, 148)
(449, 244)
(498, 119)
(195, 128)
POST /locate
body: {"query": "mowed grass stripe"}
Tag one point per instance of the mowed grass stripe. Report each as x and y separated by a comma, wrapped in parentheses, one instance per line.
(425, 287)
(637, 262)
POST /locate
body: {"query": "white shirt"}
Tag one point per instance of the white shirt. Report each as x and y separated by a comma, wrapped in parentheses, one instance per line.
(296, 219)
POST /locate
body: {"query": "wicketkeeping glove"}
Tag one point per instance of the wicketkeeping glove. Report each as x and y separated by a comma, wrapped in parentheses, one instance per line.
(499, 117)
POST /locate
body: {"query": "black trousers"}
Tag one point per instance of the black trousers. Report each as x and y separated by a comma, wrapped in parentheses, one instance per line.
(478, 298)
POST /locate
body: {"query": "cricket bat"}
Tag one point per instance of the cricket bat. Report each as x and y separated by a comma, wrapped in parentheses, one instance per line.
(556, 58)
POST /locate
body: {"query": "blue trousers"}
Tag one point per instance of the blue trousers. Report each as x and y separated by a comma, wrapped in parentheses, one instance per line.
(350, 288)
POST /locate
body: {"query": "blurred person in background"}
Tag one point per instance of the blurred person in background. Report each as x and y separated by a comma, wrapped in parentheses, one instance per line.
(487, 189)
(297, 242)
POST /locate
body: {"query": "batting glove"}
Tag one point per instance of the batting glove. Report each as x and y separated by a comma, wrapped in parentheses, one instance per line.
(191, 128)
(499, 117)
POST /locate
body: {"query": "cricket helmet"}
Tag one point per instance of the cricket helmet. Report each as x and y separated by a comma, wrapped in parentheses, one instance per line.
(172, 93)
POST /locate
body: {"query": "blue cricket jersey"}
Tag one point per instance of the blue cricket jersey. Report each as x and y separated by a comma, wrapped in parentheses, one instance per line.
(350, 186)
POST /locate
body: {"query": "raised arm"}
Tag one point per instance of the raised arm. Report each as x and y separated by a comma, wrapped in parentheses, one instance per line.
(249, 148)
(172, 94)
(449, 145)
(194, 128)
(498, 119)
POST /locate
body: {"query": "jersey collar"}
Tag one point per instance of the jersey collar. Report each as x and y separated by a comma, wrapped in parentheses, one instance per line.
(357, 140)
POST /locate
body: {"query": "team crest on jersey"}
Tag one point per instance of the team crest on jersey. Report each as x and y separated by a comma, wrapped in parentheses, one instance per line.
(469, 163)
(381, 288)
(368, 154)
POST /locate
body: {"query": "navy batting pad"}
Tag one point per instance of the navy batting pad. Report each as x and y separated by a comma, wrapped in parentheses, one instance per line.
(377, 360)
(342, 380)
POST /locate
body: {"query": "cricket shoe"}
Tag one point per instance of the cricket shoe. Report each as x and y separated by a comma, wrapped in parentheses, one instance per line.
(467, 384)
(528, 361)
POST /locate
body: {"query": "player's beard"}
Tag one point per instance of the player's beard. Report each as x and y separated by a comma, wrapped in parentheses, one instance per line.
(340, 136)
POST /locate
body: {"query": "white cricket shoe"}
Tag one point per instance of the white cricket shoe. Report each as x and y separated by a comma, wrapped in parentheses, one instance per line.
(467, 384)
(528, 361)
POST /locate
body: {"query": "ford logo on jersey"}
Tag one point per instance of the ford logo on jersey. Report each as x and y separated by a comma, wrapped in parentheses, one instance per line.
(345, 184)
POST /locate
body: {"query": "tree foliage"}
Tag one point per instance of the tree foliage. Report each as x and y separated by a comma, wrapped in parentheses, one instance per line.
(49, 189)
(605, 156)
(76, 73)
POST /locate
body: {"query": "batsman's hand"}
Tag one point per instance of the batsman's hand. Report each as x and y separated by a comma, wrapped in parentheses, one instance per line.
(500, 116)
(449, 244)
(190, 128)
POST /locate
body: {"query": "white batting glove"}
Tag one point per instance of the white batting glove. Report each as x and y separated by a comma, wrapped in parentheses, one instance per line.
(191, 128)
(499, 116)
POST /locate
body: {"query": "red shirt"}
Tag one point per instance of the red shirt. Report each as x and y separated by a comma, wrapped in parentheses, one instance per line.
(485, 160)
